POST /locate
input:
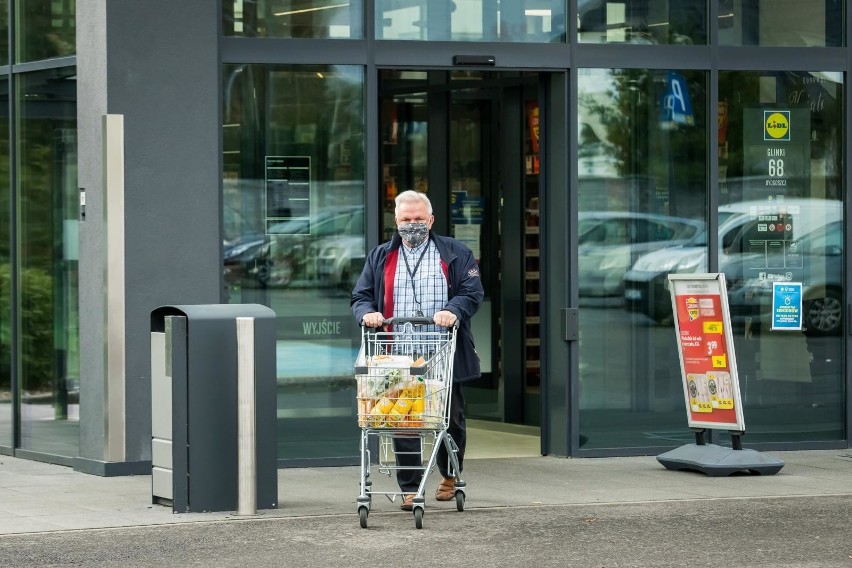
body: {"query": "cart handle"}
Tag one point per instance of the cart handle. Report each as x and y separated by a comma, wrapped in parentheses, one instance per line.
(413, 321)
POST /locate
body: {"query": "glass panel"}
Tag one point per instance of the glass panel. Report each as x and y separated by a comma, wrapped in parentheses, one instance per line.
(781, 220)
(781, 23)
(405, 137)
(464, 167)
(294, 236)
(45, 29)
(6, 428)
(682, 22)
(47, 274)
(642, 207)
(4, 32)
(539, 21)
(293, 18)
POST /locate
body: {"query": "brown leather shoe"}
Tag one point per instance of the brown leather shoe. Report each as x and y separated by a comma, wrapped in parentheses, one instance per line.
(446, 489)
(407, 502)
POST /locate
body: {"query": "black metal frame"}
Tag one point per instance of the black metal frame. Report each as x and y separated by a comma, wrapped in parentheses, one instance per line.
(560, 412)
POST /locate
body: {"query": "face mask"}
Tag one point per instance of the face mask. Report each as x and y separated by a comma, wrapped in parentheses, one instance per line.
(414, 234)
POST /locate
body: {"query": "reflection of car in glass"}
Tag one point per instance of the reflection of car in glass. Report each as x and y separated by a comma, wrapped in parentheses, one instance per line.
(610, 242)
(646, 283)
(646, 286)
(290, 251)
(822, 299)
(240, 254)
(340, 260)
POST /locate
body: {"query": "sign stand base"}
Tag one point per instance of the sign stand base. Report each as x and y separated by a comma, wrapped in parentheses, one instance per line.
(719, 461)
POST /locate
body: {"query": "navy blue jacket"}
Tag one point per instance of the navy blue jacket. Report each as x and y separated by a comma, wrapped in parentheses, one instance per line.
(374, 293)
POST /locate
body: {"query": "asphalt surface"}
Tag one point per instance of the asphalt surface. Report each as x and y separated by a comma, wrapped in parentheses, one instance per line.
(545, 511)
(754, 532)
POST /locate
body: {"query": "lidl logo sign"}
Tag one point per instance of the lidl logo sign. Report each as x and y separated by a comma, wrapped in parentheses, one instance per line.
(776, 125)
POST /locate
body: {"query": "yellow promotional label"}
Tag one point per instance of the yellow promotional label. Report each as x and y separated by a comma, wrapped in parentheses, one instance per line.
(719, 361)
(713, 327)
(698, 406)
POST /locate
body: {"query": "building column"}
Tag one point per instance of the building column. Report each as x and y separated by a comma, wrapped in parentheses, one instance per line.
(149, 162)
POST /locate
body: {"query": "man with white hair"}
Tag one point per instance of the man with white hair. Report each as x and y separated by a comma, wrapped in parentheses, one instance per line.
(420, 274)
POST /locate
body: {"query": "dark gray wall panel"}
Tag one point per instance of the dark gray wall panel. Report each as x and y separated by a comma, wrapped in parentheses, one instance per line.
(163, 75)
(156, 63)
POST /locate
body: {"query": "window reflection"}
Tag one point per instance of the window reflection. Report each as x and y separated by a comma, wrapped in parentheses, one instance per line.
(781, 164)
(45, 29)
(292, 18)
(48, 261)
(682, 22)
(539, 21)
(642, 195)
(6, 431)
(4, 32)
(781, 23)
(294, 236)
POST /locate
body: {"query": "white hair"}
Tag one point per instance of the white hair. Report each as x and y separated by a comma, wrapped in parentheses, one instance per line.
(411, 196)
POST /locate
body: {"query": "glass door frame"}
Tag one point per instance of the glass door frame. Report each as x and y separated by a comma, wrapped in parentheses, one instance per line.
(560, 364)
(711, 59)
(505, 281)
(440, 56)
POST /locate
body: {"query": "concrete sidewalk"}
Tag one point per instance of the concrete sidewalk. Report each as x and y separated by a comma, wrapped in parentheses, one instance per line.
(38, 497)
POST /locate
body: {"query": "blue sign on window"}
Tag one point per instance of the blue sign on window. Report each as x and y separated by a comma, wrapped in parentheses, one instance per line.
(787, 306)
(676, 107)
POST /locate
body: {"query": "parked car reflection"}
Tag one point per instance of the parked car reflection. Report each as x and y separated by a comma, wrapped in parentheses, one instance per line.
(310, 250)
(646, 283)
(610, 242)
(340, 260)
(646, 286)
(822, 288)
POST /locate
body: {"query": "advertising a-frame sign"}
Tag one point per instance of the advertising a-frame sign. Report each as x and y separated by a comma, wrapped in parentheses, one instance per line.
(708, 363)
(709, 378)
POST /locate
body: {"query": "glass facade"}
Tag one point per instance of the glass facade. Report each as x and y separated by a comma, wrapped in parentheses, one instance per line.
(293, 18)
(4, 32)
(642, 172)
(781, 23)
(781, 163)
(539, 21)
(655, 22)
(6, 336)
(47, 209)
(313, 154)
(44, 29)
(295, 236)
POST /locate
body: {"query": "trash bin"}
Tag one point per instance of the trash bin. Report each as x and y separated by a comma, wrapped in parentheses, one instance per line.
(194, 428)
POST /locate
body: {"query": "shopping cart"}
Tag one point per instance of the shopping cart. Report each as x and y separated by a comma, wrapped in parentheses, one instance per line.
(405, 379)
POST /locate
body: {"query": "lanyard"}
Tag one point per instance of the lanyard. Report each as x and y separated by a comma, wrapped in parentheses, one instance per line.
(412, 274)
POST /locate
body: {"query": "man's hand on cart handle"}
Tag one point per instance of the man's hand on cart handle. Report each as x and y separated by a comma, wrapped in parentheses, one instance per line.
(374, 319)
(445, 318)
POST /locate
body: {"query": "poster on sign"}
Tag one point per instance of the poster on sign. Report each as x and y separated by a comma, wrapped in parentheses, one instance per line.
(706, 349)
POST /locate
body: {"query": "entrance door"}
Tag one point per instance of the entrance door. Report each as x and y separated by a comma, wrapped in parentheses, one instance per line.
(469, 139)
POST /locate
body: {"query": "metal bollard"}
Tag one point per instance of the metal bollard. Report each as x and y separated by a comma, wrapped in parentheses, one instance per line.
(246, 434)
